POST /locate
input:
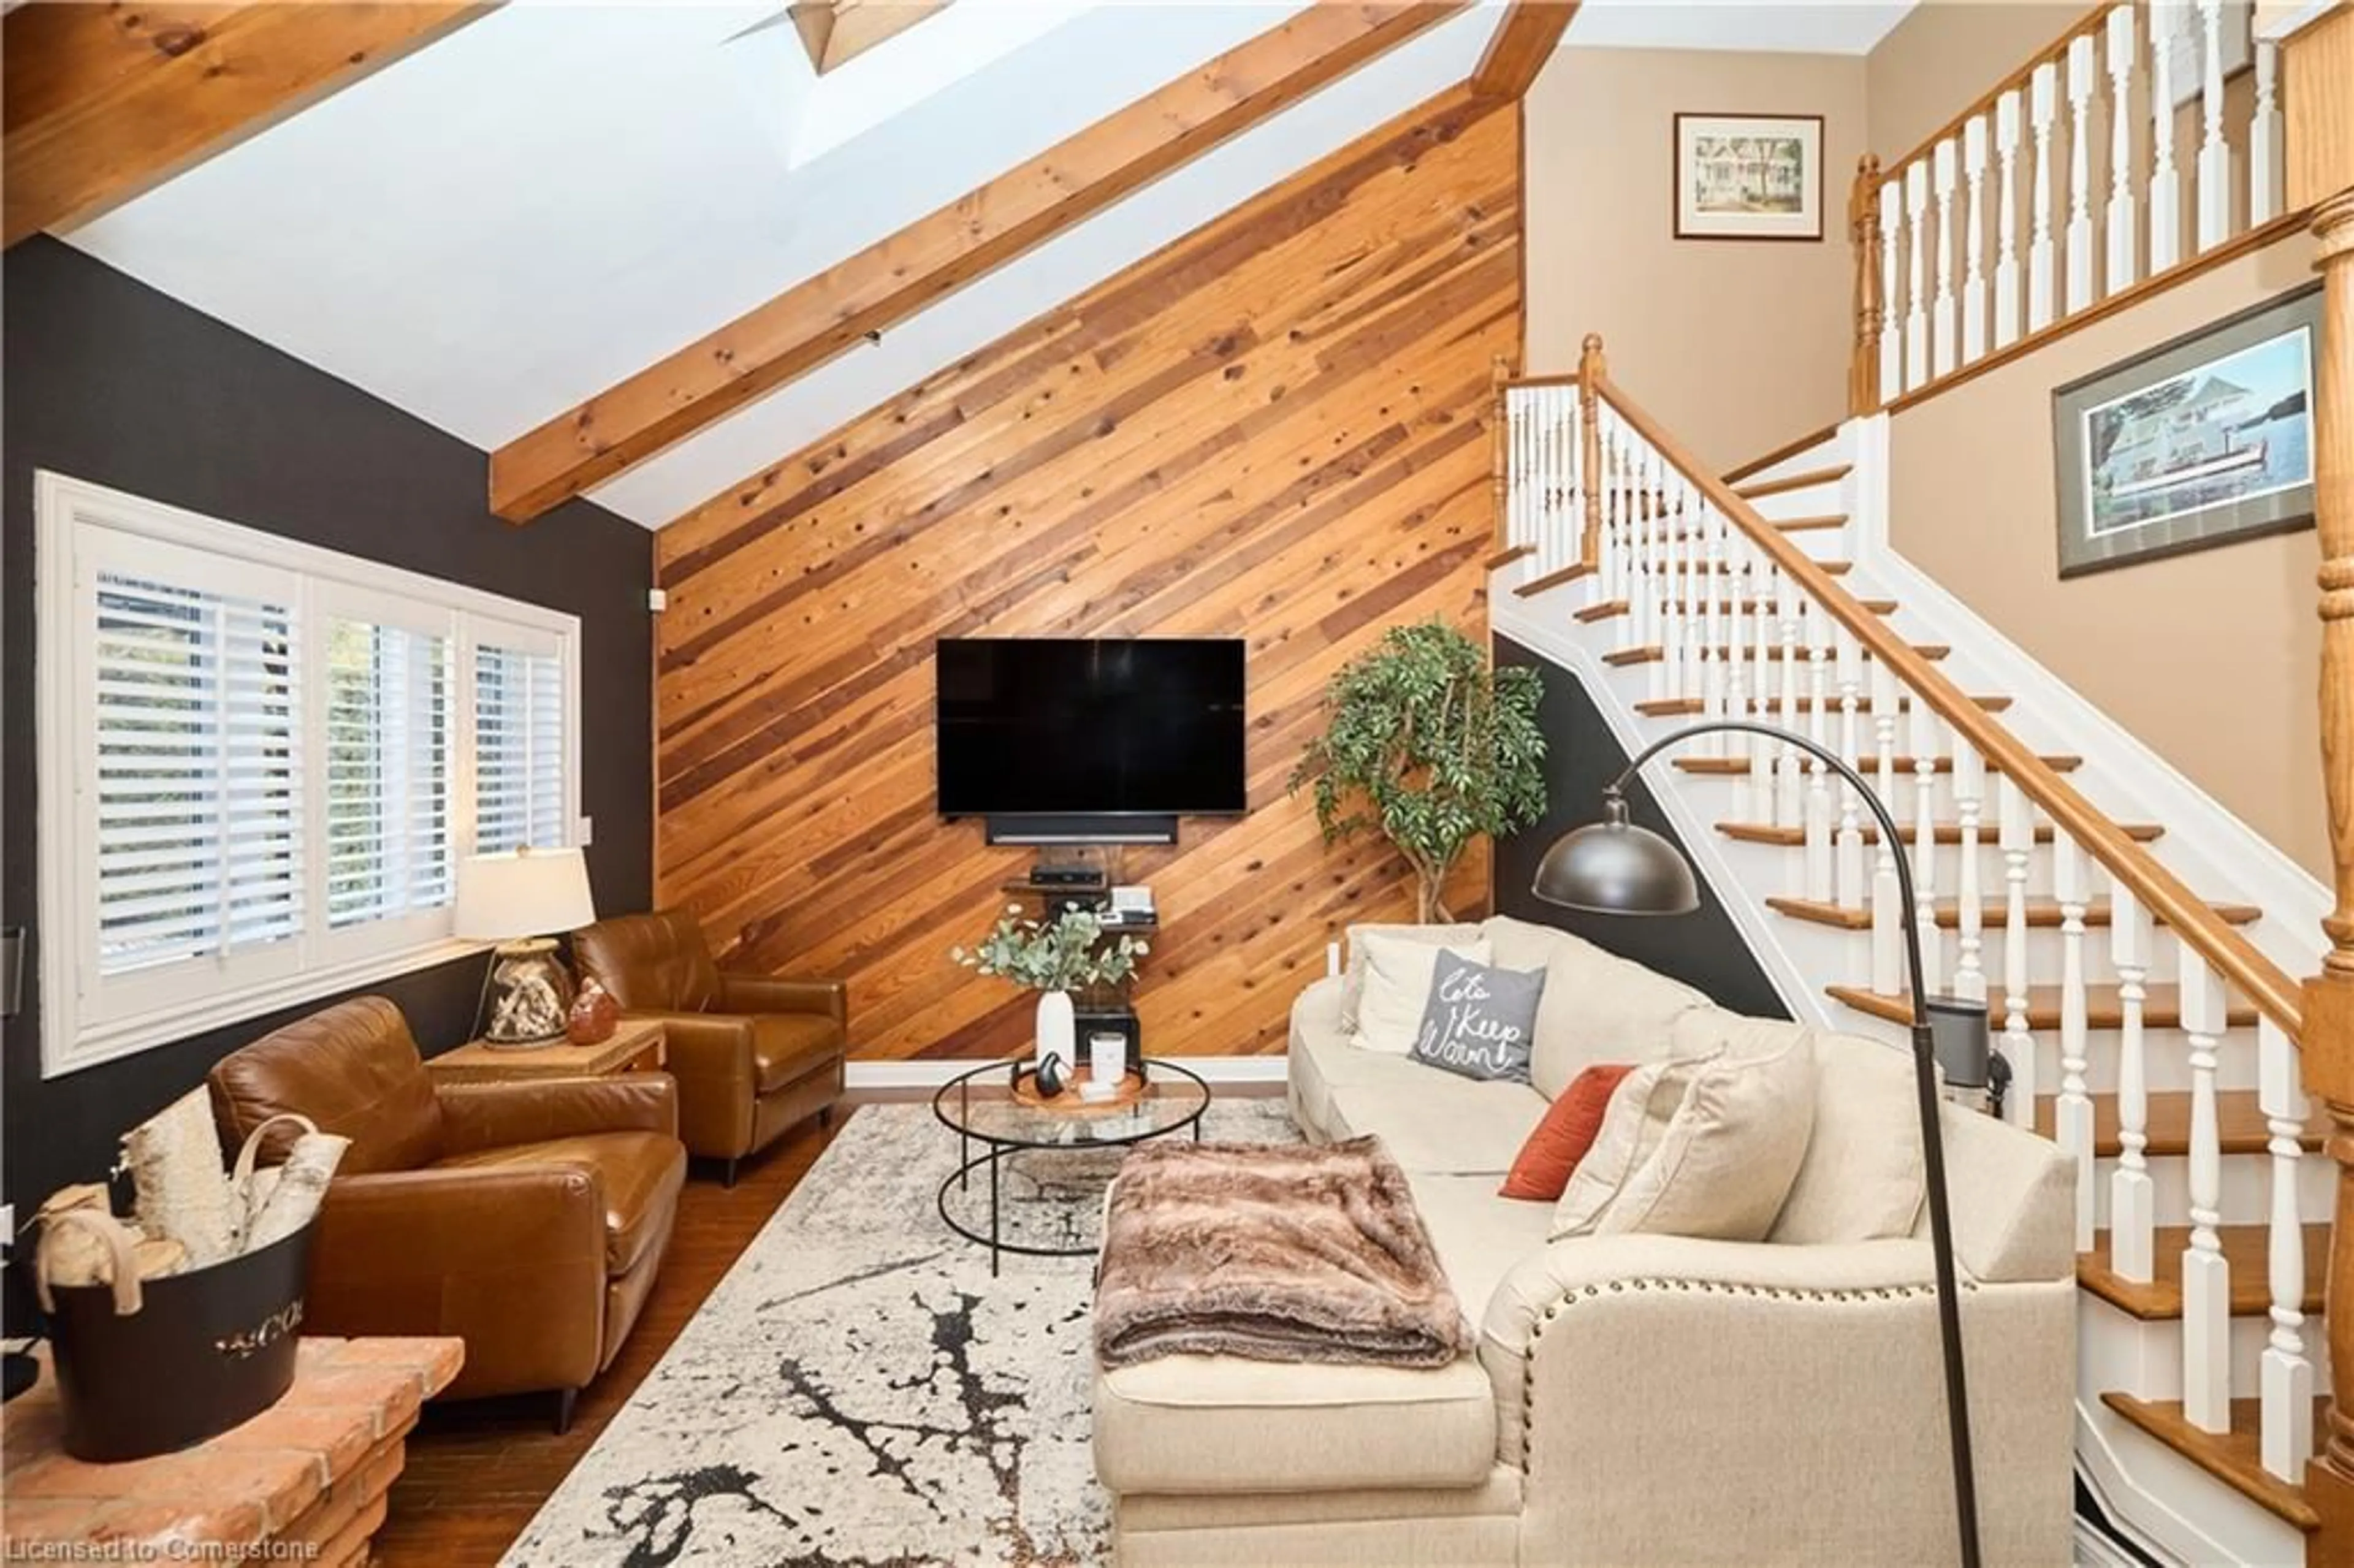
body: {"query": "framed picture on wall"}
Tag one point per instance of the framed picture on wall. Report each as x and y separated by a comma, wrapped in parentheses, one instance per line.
(2195, 443)
(1749, 176)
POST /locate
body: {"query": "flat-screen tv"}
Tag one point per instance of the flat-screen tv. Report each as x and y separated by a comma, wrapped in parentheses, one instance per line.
(1049, 727)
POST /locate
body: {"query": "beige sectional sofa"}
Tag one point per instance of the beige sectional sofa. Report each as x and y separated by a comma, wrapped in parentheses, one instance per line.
(1636, 1399)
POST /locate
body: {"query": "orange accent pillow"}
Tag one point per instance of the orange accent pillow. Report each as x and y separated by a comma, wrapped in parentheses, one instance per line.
(1547, 1160)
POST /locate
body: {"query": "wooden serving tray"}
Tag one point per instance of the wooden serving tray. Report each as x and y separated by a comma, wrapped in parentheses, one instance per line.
(1131, 1089)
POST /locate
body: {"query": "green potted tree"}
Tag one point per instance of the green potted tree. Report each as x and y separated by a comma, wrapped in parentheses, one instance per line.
(1431, 745)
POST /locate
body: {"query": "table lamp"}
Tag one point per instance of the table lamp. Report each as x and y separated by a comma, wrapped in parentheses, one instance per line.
(515, 899)
(1616, 867)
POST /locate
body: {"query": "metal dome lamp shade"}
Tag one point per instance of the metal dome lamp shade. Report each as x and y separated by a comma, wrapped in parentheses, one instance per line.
(1618, 867)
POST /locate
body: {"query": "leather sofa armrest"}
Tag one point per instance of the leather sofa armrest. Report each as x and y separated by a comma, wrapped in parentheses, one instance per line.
(491, 1115)
(440, 1223)
(705, 1046)
(768, 994)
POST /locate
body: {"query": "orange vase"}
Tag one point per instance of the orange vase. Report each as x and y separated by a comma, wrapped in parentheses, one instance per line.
(594, 1016)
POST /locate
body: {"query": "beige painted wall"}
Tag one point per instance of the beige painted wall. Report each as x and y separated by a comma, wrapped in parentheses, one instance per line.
(1943, 55)
(2211, 657)
(1738, 347)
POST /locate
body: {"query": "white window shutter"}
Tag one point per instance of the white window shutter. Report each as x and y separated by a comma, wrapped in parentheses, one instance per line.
(196, 773)
(520, 749)
(387, 771)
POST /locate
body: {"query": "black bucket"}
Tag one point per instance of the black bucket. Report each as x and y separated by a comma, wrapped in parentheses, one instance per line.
(206, 1350)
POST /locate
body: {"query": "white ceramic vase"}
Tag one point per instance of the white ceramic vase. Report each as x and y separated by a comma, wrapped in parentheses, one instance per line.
(1057, 1031)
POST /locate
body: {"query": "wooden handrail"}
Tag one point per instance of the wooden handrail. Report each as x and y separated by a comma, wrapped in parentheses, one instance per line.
(2249, 972)
(1893, 168)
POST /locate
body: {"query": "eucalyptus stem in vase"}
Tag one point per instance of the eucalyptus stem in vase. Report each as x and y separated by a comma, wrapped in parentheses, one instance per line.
(1053, 958)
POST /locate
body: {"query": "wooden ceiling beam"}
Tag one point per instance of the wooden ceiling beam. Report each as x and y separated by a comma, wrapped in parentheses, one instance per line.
(834, 31)
(1525, 41)
(99, 102)
(887, 282)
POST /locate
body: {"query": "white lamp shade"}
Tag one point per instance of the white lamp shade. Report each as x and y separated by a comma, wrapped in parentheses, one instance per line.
(525, 893)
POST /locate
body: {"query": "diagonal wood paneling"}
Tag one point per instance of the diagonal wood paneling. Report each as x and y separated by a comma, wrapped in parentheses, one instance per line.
(1275, 428)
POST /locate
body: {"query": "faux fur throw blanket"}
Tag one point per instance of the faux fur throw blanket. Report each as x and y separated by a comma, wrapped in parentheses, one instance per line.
(1282, 1253)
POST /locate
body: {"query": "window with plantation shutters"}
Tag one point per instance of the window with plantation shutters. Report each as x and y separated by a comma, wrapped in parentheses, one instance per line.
(521, 731)
(387, 771)
(260, 763)
(197, 789)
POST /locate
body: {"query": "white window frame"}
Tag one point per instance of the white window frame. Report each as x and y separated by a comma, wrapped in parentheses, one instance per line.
(85, 1022)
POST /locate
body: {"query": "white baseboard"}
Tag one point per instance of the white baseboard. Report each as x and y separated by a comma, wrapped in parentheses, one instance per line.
(930, 1074)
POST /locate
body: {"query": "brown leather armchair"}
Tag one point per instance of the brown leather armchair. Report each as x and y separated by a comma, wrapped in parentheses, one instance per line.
(753, 1055)
(526, 1218)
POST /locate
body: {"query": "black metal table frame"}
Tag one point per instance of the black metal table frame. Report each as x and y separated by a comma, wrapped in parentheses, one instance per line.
(996, 1149)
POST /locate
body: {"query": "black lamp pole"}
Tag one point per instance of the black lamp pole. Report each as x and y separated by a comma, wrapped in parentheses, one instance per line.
(1614, 867)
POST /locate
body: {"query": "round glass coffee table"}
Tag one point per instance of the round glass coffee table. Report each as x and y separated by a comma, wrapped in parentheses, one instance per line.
(998, 1119)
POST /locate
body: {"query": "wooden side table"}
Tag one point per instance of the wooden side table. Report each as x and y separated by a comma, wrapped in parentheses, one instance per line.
(304, 1481)
(636, 1046)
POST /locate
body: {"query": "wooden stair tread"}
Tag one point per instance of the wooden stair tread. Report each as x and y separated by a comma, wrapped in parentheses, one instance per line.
(1907, 766)
(2244, 1249)
(2239, 1122)
(1666, 707)
(1569, 574)
(2104, 1008)
(2234, 1457)
(1651, 653)
(1944, 833)
(1802, 481)
(2040, 912)
(1780, 525)
(1611, 609)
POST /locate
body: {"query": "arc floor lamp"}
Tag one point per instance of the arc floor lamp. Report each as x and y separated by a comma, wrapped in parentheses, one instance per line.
(1616, 867)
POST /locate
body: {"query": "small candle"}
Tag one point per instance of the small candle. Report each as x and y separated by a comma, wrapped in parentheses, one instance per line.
(1105, 1054)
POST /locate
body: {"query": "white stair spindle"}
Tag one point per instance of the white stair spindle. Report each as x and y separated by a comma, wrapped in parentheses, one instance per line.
(2017, 831)
(1738, 589)
(1789, 788)
(1928, 732)
(1974, 282)
(1944, 342)
(1675, 644)
(1969, 805)
(1888, 977)
(2080, 171)
(2214, 152)
(2267, 151)
(1916, 287)
(1892, 332)
(1767, 587)
(1822, 883)
(1848, 847)
(2044, 91)
(2285, 1378)
(2133, 1201)
(2006, 201)
(2165, 180)
(2124, 218)
(2206, 1273)
(2072, 1109)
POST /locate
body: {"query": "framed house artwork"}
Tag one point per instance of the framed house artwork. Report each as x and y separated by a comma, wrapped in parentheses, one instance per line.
(1749, 176)
(2197, 442)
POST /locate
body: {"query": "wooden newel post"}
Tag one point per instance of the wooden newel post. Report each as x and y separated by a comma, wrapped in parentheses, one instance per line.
(1591, 372)
(2327, 1042)
(1871, 309)
(2318, 59)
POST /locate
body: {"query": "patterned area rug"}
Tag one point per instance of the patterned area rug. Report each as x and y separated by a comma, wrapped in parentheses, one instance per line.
(859, 1392)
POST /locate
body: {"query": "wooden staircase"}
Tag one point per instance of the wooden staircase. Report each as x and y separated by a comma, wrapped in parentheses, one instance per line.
(2152, 1028)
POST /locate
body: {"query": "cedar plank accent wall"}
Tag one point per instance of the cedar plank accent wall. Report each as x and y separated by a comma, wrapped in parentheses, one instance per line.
(1277, 428)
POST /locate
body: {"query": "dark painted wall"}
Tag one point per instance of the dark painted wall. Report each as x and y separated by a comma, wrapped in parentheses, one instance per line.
(109, 381)
(1704, 948)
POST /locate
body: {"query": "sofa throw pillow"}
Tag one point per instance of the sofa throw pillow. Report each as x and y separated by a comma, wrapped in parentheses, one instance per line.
(1479, 1021)
(1542, 1170)
(1716, 1145)
(1353, 969)
(1398, 972)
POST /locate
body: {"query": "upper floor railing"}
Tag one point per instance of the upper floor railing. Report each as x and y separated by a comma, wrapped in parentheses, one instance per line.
(2142, 146)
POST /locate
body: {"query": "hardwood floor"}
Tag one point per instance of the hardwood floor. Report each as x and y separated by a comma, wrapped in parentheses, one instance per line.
(478, 1471)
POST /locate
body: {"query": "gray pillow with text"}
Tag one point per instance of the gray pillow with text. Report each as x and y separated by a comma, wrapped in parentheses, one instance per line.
(1481, 1021)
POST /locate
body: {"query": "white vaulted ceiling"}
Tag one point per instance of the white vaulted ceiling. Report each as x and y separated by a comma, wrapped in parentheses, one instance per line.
(501, 225)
